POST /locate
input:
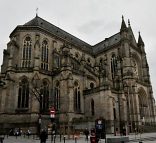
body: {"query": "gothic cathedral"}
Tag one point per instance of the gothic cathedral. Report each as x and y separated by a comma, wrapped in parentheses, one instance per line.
(45, 66)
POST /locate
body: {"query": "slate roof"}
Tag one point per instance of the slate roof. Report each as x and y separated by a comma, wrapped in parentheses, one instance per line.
(105, 44)
(45, 25)
(39, 22)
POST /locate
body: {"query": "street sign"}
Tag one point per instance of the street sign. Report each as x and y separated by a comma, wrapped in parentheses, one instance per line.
(52, 112)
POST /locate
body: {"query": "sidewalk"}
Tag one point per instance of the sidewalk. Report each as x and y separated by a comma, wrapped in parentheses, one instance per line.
(145, 137)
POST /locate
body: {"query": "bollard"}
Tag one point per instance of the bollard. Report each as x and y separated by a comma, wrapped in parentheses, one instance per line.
(64, 138)
(51, 137)
(1, 139)
(54, 138)
(75, 139)
(60, 137)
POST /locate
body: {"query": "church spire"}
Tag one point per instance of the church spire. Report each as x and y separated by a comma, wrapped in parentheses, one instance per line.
(140, 41)
(123, 25)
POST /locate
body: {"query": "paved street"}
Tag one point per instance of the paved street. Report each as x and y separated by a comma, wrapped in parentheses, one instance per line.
(146, 138)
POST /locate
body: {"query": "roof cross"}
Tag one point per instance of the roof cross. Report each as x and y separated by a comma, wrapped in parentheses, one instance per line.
(37, 11)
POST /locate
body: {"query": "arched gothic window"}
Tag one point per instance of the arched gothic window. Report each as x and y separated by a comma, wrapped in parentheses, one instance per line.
(57, 96)
(44, 101)
(77, 97)
(92, 108)
(23, 94)
(44, 55)
(113, 65)
(27, 50)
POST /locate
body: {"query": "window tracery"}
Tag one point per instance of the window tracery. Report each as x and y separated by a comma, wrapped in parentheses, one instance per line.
(57, 96)
(44, 55)
(77, 97)
(23, 94)
(27, 51)
(44, 101)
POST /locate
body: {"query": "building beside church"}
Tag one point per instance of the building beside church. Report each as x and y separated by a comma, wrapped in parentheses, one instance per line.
(45, 66)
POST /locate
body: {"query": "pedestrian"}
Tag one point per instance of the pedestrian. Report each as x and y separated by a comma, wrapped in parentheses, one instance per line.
(43, 136)
(93, 138)
(124, 131)
(86, 132)
(28, 133)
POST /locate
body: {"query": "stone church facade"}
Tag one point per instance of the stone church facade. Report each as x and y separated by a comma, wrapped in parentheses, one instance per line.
(44, 66)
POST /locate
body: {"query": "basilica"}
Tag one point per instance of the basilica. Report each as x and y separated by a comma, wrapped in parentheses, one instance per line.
(46, 67)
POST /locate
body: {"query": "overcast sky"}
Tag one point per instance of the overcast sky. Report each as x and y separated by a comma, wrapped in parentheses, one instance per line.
(89, 20)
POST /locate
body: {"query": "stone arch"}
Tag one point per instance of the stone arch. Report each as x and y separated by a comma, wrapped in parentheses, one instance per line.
(24, 77)
(143, 102)
(45, 39)
(27, 35)
(46, 80)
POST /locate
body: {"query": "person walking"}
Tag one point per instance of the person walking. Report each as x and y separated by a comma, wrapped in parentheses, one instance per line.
(86, 132)
(43, 136)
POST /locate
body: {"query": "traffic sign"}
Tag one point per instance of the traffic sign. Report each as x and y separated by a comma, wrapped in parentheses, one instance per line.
(52, 112)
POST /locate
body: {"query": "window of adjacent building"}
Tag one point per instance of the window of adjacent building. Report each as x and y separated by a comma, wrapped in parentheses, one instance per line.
(57, 96)
(77, 97)
(44, 101)
(44, 55)
(23, 94)
(27, 50)
(92, 107)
